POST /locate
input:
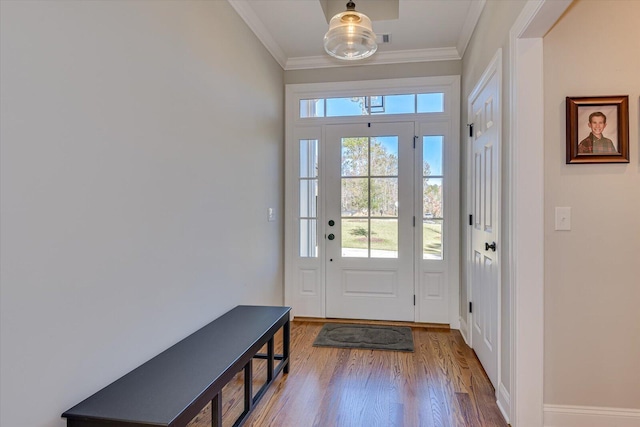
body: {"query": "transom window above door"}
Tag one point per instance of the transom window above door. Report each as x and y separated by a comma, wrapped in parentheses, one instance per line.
(410, 103)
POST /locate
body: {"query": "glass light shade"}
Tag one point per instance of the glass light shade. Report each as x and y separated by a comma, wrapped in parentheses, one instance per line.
(350, 36)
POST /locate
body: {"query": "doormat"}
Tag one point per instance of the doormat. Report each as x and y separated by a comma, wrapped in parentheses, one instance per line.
(371, 337)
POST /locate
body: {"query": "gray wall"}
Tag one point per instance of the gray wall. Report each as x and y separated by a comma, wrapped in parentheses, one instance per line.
(373, 72)
(490, 35)
(139, 157)
(592, 273)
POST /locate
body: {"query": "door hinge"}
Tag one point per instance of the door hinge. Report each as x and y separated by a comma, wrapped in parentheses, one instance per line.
(470, 126)
(415, 138)
(470, 219)
(414, 221)
(414, 300)
(470, 307)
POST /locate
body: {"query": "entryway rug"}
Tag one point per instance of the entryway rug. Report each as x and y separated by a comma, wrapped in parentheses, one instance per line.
(373, 337)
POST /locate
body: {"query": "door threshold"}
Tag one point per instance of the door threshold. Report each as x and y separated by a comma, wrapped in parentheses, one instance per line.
(373, 322)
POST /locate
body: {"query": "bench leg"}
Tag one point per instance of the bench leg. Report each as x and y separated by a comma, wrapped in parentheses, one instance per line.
(286, 336)
(216, 410)
(248, 386)
(270, 358)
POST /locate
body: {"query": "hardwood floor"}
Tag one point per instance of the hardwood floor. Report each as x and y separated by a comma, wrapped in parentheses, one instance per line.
(440, 384)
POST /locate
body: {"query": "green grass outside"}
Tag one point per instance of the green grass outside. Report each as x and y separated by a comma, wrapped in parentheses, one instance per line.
(385, 235)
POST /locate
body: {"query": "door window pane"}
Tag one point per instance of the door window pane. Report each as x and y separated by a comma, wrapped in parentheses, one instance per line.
(308, 197)
(432, 198)
(384, 238)
(308, 238)
(355, 156)
(392, 104)
(432, 239)
(384, 197)
(311, 108)
(344, 107)
(355, 238)
(308, 158)
(432, 155)
(355, 194)
(384, 156)
(432, 221)
(430, 102)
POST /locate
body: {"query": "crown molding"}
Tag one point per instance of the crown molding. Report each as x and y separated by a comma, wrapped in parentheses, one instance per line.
(470, 22)
(379, 58)
(255, 24)
(325, 61)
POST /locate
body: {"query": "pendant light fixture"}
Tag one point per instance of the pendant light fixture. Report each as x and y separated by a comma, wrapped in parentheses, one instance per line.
(350, 36)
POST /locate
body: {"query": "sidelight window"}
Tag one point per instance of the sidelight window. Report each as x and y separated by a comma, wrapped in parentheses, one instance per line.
(308, 191)
(432, 193)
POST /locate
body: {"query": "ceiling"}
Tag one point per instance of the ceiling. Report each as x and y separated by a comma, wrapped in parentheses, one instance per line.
(425, 30)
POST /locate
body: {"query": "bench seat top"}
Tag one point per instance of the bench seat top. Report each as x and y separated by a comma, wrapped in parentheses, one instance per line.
(159, 390)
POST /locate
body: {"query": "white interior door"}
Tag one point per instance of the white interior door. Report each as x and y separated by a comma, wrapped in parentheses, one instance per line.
(369, 228)
(484, 106)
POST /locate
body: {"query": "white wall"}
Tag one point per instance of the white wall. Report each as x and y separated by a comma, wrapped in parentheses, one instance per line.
(139, 157)
(592, 273)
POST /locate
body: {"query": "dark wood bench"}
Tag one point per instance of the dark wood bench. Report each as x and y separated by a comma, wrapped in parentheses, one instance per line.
(173, 387)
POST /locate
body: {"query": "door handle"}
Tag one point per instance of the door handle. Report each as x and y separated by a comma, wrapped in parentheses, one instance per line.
(491, 246)
(331, 236)
(331, 223)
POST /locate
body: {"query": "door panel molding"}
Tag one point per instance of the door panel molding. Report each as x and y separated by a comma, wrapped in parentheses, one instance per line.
(483, 279)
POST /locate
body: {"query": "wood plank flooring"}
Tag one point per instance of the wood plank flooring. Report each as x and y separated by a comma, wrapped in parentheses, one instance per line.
(440, 384)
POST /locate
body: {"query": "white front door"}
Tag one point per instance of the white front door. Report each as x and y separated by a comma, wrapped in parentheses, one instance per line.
(369, 228)
(484, 106)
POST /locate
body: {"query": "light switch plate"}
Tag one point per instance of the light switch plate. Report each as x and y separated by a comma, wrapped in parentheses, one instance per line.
(563, 218)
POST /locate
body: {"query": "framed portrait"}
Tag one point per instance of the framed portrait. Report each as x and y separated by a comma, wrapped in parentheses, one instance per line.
(598, 129)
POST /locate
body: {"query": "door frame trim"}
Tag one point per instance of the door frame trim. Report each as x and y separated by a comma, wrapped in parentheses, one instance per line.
(302, 290)
(524, 399)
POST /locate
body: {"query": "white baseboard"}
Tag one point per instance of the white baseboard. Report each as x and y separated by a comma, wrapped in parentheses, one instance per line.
(590, 416)
(504, 402)
(464, 331)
